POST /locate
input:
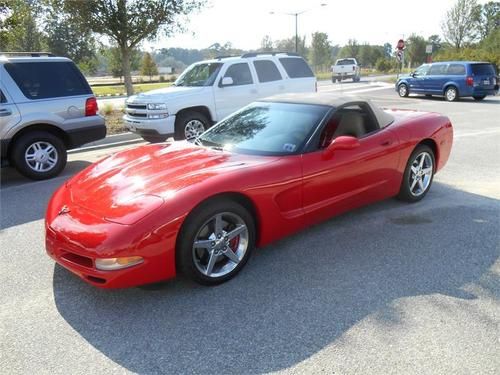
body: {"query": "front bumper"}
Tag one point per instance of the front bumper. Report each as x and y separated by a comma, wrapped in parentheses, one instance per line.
(165, 127)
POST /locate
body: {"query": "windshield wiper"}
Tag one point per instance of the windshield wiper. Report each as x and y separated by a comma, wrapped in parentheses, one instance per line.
(212, 145)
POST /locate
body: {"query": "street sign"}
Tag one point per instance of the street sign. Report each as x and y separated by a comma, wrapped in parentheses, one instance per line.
(401, 44)
(399, 55)
(428, 48)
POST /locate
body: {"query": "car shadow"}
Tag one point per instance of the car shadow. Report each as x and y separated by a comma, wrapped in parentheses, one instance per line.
(296, 296)
(26, 200)
(437, 98)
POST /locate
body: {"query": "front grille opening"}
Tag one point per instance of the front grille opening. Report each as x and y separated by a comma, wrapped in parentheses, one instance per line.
(97, 280)
(78, 259)
(136, 106)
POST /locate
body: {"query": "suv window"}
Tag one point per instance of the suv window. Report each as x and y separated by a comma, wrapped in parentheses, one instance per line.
(346, 62)
(3, 99)
(240, 73)
(267, 71)
(456, 70)
(483, 70)
(41, 80)
(422, 70)
(296, 67)
(438, 69)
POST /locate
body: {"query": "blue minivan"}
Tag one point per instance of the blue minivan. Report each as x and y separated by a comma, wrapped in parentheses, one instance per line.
(452, 79)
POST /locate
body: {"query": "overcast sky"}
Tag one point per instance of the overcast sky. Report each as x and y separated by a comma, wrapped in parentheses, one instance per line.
(245, 22)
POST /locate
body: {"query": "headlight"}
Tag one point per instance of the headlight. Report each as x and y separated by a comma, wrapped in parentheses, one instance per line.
(111, 264)
(157, 107)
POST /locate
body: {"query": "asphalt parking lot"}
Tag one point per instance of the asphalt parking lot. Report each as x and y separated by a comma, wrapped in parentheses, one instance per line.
(391, 288)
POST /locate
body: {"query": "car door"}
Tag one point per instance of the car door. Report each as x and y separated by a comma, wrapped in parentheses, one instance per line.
(270, 78)
(350, 178)
(435, 79)
(242, 90)
(9, 113)
(417, 78)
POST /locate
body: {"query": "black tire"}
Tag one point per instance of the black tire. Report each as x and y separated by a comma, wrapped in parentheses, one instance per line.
(428, 95)
(154, 139)
(479, 97)
(196, 221)
(403, 90)
(405, 192)
(451, 94)
(27, 142)
(186, 118)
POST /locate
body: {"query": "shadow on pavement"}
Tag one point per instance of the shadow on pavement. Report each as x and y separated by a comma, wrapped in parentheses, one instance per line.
(25, 200)
(297, 296)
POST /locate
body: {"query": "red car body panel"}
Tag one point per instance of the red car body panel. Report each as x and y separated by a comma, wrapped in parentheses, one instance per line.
(134, 203)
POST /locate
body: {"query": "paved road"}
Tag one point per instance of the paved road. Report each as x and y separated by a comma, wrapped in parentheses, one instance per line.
(388, 289)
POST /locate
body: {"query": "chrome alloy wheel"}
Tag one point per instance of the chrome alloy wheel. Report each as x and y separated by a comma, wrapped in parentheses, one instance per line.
(451, 94)
(220, 244)
(403, 90)
(193, 130)
(41, 156)
(421, 174)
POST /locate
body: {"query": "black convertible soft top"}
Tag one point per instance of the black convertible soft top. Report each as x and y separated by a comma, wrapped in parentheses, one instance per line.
(334, 101)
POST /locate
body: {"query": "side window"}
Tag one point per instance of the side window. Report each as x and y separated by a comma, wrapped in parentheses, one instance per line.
(3, 99)
(42, 80)
(437, 70)
(456, 70)
(422, 70)
(352, 120)
(240, 73)
(267, 71)
(296, 67)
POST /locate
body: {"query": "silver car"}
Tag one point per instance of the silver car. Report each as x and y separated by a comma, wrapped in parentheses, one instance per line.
(46, 108)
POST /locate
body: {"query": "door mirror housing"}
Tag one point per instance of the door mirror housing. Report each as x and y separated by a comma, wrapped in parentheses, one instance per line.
(344, 142)
(226, 81)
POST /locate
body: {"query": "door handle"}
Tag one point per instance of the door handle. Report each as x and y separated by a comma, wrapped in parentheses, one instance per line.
(387, 142)
(5, 112)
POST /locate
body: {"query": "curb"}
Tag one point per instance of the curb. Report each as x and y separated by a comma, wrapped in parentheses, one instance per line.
(109, 141)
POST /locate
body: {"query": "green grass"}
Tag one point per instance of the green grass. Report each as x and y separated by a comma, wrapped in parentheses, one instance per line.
(120, 89)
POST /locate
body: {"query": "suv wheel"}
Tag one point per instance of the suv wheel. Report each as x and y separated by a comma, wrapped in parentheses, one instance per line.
(190, 125)
(451, 94)
(39, 155)
(403, 90)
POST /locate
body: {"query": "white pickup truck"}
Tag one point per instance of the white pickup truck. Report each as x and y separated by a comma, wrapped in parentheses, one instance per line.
(208, 91)
(344, 69)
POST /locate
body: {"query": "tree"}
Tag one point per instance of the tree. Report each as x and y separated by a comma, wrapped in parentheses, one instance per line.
(320, 51)
(461, 23)
(288, 45)
(19, 28)
(387, 50)
(67, 39)
(351, 49)
(148, 67)
(129, 23)
(490, 18)
(266, 44)
(114, 62)
(415, 50)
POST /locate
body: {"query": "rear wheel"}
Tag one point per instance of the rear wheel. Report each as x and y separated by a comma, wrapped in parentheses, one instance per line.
(190, 125)
(479, 97)
(39, 155)
(418, 175)
(451, 94)
(403, 90)
(216, 242)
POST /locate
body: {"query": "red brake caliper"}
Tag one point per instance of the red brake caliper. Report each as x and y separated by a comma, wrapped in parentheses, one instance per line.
(233, 244)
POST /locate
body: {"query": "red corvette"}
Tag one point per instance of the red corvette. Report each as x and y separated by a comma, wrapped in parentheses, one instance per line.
(271, 169)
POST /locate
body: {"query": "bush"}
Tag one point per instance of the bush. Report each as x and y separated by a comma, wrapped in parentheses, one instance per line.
(107, 109)
(162, 79)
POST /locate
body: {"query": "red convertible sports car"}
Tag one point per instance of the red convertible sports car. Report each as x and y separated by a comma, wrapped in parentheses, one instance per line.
(272, 168)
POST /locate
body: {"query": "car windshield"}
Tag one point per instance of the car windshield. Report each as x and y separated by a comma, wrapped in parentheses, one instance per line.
(199, 75)
(265, 128)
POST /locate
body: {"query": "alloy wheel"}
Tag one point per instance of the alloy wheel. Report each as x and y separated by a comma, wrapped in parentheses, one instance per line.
(41, 156)
(421, 174)
(193, 130)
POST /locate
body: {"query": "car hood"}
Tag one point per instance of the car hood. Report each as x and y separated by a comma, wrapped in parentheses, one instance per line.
(160, 95)
(146, 176)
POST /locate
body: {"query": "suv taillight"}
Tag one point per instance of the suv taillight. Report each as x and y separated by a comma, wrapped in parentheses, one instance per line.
(469, 81)
(91, 107)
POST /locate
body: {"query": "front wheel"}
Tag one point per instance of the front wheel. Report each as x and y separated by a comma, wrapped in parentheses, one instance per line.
(403, 90)
(418, 175)
(39, 155)
(215, 242)
(479, 97)
(451, 94)
(190, 125)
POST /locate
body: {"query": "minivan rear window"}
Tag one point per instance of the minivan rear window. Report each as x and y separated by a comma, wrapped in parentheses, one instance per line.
(42, 80)
(483, 70)
(296, 67)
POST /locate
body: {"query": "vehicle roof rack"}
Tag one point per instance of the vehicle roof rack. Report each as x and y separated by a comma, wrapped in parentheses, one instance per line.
(272, 53)
(225, 57)
(32, 54)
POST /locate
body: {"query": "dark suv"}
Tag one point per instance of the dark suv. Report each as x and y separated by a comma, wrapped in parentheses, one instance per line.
(46, 108)
(453, 79)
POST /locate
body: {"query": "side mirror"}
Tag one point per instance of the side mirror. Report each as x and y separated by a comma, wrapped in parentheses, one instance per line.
(344, 142)
(413, 74)
(226, 81)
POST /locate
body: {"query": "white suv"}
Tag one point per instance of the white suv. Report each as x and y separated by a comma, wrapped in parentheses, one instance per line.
(208, 91)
